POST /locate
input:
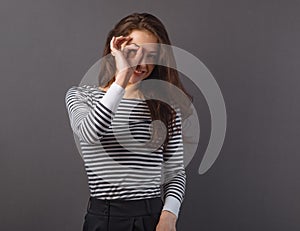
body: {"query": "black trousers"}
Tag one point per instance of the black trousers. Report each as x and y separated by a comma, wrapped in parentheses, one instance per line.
(122, 215)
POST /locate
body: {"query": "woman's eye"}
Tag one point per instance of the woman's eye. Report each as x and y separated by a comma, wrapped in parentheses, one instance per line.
(131, 52)
(152, 56)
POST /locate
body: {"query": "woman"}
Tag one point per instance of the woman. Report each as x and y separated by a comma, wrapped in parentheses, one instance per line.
(126, 155)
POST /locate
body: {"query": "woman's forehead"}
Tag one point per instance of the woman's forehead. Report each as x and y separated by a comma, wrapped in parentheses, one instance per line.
(145, 39)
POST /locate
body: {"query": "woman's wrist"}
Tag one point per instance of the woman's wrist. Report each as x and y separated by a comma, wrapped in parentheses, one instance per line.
(172, 204)
(165, 214)
(122, 78)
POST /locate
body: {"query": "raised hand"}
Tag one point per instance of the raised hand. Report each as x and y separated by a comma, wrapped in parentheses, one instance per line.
(126, 58)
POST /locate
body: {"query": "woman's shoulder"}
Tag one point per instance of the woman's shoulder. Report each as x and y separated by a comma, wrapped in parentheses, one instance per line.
(83, 93)
(86, 89)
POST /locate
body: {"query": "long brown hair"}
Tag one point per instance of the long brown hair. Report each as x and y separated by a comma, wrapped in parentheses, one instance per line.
(158, 109)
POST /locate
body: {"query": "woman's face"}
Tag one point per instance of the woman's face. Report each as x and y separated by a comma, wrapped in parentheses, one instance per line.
(141, 38)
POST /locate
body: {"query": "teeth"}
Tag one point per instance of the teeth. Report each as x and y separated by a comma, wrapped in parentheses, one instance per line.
(139, 71)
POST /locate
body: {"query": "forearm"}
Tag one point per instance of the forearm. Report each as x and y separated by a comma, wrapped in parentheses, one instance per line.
(174, 171)
(122, 78)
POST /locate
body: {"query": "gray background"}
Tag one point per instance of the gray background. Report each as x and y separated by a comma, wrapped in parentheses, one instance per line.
(251, 48)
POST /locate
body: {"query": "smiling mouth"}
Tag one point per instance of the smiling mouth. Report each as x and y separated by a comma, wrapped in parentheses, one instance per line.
(139, 72)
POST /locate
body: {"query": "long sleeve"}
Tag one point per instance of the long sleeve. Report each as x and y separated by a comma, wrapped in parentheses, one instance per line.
(174, 172)
(88, 122)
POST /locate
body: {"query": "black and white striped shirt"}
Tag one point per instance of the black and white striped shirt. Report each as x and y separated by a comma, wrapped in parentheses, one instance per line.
(112, 131)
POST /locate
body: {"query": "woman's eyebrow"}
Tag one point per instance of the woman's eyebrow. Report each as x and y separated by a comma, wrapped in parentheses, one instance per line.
(133, 43)
(153, 51)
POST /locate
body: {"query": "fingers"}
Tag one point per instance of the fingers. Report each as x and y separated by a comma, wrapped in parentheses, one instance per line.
(117, 43)
(113, 47)
(130, 50)
(138, 57)
(124, 42)
(132, 53)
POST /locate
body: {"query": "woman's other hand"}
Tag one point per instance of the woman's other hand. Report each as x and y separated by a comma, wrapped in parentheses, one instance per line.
(167, 221)
(126, 58)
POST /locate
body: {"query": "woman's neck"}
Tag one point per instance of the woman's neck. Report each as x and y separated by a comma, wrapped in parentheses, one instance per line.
(133, 91)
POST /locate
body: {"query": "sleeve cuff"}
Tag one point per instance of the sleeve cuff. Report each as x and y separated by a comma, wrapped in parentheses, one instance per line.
(113, 96)
(172, 204)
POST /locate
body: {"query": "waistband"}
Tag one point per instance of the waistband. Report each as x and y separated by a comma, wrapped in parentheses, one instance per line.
(126, 208)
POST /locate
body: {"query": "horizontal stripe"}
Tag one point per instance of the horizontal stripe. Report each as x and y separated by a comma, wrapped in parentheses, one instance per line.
(116, 165)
